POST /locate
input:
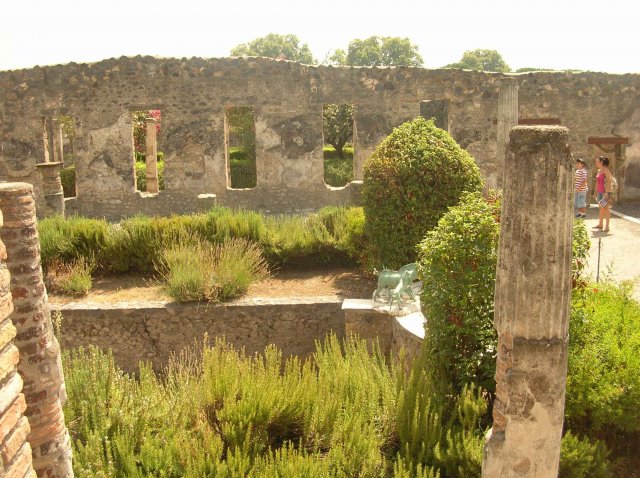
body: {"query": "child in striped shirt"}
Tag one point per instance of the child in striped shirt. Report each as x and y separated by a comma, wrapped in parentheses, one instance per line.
(580, 188)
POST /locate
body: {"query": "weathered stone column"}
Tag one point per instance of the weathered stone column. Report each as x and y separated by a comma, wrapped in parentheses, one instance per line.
(533, 288)
(40, 365)
(507, 119)
(14, 426)
(152, 156)
(51, 188)
(57, 141)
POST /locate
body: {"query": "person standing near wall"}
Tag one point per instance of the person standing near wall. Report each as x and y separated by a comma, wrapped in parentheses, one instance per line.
(603, 196)
(580, 189)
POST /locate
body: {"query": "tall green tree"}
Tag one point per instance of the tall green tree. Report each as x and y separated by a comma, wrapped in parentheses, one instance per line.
(337, 126)
(373, 51)
(274, 45)
(379, 51)
(482, 60)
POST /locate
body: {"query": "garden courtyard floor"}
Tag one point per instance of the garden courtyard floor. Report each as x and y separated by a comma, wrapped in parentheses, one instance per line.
(342, 283)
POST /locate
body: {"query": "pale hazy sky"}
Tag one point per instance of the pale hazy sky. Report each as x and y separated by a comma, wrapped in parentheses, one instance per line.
(558, 34)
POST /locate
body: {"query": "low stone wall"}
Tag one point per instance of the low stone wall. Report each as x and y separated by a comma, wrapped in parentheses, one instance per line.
(123, 205)
(407, 335)
(150, 332)
(165, 203)
(397, 336)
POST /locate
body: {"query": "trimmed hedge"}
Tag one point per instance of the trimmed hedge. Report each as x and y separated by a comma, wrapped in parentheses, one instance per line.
(242, 169)
(458, 266)
(410, 181)
(333, 235)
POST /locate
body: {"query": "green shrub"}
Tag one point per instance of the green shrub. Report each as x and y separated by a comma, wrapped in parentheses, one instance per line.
(242, 169)
(437, 430)
(331, 236)
(410, 181)
(186, 270)
(580, 253)
(73, 278)
(580, 458)
(72, 238)
(193, 269)
(135, 244)
(237, 264)
(458, 263)
(220, 412)
(141, 174)
(338, 171)
(603, 382)
(68, 179)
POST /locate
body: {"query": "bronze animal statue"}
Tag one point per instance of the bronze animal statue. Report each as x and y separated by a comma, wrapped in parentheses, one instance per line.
(397, 283)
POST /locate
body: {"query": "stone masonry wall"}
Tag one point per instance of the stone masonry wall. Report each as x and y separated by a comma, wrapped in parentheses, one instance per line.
(144, 331)
(287, 100)
(15, 451)
(152, 331)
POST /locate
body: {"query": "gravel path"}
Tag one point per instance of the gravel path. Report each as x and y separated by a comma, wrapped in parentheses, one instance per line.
(620, 248)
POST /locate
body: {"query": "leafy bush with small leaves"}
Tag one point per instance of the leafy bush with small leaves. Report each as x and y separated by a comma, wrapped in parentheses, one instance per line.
(580, 253)
(410, 181)
(458, 263)
(582, 458)
(141, 175)
(603, 382)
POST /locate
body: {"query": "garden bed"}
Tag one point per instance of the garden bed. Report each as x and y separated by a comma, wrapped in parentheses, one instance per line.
(339, 282)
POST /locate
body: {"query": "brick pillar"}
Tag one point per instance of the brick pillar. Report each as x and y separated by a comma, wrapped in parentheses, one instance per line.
(533, 289)
(40, 366)
(507, 119)
(51, 188)
(15, 451)
(151, 157)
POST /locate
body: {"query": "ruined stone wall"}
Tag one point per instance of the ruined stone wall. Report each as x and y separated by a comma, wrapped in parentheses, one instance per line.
(287, 99)
(151, 332)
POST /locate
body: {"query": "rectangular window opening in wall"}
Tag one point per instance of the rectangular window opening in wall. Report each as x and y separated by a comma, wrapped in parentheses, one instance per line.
(148, 159)
(337, 132)
(63, 150)
(58, 133)
(240, 147)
